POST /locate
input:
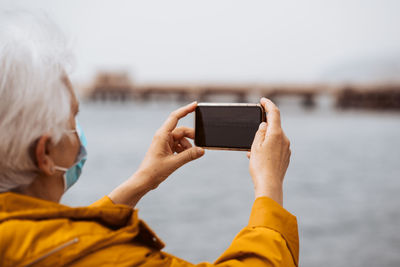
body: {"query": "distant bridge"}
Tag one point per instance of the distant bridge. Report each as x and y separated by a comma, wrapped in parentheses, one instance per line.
(119, 87)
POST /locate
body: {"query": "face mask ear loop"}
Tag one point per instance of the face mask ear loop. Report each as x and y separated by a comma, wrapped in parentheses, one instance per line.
(64, 176)
(61, 169)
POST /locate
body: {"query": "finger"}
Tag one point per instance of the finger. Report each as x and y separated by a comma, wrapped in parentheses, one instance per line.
(179, 148)
(183, 131)
(273, 113)
(174, 117)
(185, 143)
(188, 155)
(174, 146)
(248, 154)
(259, 136)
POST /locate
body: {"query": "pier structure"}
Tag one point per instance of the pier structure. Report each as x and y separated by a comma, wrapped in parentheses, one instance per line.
(239, 93)
(118, 86)
(307, 93)
(111, 86)
(378, 96)
(203, 93)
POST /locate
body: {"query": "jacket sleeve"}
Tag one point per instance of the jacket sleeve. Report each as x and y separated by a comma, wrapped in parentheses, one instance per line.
(269, 239)
(103, 202)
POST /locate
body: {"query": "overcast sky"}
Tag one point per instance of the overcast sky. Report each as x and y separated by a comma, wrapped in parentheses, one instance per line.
(226, 41)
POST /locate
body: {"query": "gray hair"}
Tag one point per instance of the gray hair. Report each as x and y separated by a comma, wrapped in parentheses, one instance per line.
(33, 98)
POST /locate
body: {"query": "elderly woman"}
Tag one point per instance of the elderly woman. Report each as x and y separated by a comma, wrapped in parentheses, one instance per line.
(42, 152)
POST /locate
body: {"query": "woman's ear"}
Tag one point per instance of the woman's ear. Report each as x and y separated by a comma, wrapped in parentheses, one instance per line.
(43, 159)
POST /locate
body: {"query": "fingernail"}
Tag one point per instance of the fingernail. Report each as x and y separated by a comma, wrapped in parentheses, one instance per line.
(193, 102)
(262, 125)
(200, 151)
(263, 99)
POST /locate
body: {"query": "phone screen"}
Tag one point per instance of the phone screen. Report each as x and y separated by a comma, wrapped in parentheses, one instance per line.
(227, 126)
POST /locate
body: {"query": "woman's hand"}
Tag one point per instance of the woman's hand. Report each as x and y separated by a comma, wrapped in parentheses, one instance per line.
(160, 160)
(269, 155)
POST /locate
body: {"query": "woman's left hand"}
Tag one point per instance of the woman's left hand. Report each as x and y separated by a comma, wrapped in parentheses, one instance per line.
(160, 160)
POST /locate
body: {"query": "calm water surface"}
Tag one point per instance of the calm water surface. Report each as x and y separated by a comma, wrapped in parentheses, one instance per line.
(343, 183)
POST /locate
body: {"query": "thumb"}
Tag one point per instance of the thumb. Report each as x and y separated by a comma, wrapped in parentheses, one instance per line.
(188, 155)
(260, 135)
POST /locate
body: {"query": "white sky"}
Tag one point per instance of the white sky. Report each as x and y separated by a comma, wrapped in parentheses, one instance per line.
(223, 40)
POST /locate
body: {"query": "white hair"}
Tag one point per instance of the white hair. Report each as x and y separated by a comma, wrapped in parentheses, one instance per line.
(33, 97)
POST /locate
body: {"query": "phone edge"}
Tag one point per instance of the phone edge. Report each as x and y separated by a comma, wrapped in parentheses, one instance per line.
(228, 104)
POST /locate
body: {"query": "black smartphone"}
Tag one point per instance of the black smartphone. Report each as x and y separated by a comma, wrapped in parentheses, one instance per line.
(229, 126)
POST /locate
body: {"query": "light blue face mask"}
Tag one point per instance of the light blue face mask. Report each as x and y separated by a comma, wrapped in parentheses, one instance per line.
(72, 173)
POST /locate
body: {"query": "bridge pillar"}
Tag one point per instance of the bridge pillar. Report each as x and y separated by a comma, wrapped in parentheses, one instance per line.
(308, 100)
(241, 97)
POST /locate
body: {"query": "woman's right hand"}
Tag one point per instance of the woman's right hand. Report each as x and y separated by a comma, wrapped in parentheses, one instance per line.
(269, 155)
(168, 151)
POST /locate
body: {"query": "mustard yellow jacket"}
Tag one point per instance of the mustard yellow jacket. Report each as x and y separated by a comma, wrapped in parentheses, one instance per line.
(35, 232)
